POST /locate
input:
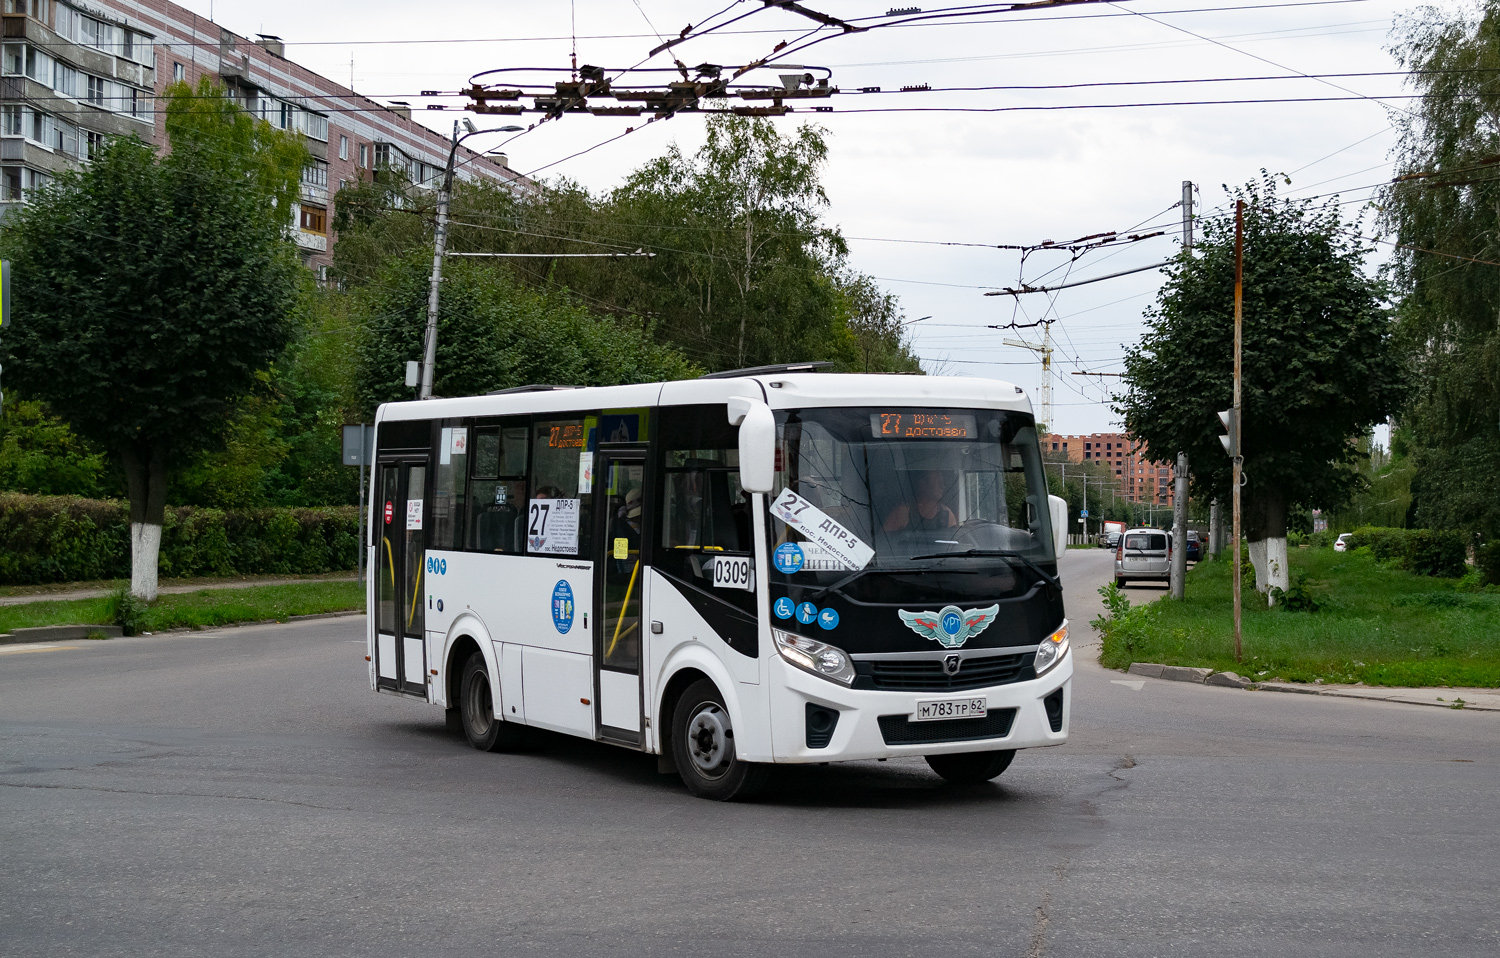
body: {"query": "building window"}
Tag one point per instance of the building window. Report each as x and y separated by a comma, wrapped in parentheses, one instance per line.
(10, 117)
(364, 156)
(315, 174)
(93, 143)
(343, 147)
(314, 220)
(178, 73)
(94, 91)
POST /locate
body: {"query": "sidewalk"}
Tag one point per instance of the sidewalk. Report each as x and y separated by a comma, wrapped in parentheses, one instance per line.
(1479, 700)
(46, 594)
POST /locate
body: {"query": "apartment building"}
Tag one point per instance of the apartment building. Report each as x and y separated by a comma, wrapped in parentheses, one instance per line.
(1140, 479)
(76, 73)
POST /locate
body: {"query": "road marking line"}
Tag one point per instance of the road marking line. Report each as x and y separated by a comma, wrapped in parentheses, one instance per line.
(38, 648)
(1136, 684)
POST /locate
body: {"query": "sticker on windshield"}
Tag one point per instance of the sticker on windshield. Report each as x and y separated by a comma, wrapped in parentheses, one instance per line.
(788, 558)
(815, 524)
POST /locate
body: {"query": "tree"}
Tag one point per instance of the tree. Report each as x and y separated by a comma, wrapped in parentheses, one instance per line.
(744, 271)
(150, 293)
(494, 333)
(1319, 366)
(1444, 209)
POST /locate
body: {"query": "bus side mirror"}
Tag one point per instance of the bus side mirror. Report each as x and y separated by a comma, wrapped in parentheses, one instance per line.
(757, 443)
(1059, 524)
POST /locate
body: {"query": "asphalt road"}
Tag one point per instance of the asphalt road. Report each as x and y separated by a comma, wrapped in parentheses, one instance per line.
(241, 792)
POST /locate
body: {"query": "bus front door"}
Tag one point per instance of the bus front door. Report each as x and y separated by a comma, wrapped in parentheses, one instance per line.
(400, 646)
(619, 594)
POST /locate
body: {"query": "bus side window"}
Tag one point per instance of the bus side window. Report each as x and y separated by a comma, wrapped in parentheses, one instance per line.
(558, 473)
(450, 479)
(497, 490)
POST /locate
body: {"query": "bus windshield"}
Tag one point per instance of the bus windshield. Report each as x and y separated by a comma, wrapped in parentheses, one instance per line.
(925, 503)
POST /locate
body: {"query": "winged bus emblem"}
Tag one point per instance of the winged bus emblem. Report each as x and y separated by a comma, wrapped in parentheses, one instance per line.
(950, 627)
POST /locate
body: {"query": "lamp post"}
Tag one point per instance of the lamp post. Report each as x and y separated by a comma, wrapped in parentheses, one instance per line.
(440, 242)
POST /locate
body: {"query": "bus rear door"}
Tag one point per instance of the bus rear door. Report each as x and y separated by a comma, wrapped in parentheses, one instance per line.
(400, 646)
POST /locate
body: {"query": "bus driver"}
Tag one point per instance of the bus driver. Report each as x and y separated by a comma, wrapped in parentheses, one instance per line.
(930, 513)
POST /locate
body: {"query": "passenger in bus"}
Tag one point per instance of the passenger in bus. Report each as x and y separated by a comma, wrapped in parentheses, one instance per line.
(928, 513)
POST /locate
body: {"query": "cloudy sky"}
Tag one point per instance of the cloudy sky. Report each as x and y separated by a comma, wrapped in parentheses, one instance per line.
(925, 169)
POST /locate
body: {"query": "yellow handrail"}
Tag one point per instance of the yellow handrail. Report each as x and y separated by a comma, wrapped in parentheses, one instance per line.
(416, 587)
(623, 606)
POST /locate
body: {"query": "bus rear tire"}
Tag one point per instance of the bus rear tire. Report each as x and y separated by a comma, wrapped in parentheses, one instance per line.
(703, 746)
(476, 708)
(971, 768)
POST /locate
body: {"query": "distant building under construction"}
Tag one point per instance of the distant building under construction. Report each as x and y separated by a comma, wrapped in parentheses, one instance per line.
(1140, 480)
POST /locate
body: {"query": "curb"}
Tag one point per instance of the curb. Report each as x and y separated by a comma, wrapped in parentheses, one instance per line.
(1177, 673)
(74, 633)
(60, 633)
(1180, 673)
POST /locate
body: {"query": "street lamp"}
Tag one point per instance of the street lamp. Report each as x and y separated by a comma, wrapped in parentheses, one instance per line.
(440, 241)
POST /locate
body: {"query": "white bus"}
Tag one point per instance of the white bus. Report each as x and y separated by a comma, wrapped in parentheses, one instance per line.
(766, 566)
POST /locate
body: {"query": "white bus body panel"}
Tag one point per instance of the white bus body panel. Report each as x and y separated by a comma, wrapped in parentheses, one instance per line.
(559, 690)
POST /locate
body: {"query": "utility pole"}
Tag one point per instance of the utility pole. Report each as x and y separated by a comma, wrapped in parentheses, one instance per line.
(1180, 494)
(440, 242)
(1239, 301)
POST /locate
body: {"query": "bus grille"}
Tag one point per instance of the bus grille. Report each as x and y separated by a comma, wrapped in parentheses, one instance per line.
(900, 730)
(927, 675)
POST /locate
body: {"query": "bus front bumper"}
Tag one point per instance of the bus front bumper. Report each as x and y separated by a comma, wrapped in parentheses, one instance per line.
(879, 724)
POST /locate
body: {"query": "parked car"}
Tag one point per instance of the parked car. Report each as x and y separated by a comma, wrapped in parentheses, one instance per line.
(1341, 544)
(1194, 548)
(1143, 554)
(1111, 540)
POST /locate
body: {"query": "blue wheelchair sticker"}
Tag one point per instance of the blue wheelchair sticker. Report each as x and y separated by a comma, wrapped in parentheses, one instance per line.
(788, 558)
(783, 608)
(807, 613)
(828, 619)
(562, 606)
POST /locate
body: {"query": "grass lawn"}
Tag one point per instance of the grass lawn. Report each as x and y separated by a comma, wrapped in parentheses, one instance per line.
(1376, 625)
(207, 607)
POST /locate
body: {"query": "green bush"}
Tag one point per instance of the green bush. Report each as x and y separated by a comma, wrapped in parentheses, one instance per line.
(1430, 552)
(67, 539)
(1487, 558)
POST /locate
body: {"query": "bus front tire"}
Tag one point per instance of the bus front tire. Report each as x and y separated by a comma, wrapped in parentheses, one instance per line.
(476, 708)
(971, 768)
(703, 747)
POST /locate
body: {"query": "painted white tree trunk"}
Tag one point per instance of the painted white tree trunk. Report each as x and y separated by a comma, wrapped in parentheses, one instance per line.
(1258, 560)
(145, 545)
(1278, 571)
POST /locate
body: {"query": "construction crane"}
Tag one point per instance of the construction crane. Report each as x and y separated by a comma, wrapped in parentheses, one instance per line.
(1045, 351)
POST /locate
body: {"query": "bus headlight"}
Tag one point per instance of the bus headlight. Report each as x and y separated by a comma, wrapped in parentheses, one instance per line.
(819, 658)
(1052, 649)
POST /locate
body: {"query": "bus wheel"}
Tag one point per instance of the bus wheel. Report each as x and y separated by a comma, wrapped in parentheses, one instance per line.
(703, 745)
(476, 707)
(971, 768)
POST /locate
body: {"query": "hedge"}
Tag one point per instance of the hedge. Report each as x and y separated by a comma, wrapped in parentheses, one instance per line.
(1422, 551)
(68, 539)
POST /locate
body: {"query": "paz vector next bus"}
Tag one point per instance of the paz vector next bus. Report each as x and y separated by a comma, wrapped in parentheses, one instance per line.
(771, 565)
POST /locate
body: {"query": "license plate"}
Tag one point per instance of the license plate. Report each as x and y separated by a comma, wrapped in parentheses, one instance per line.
(936, 711)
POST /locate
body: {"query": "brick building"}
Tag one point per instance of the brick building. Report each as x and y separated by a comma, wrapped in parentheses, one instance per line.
(1140, 480)
(74, 73)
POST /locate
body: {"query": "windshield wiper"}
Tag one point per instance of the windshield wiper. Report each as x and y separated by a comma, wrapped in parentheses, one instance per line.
(839, 585)
(1000, 553)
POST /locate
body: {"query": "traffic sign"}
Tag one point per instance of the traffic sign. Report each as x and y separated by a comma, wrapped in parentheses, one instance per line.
(1084, 513)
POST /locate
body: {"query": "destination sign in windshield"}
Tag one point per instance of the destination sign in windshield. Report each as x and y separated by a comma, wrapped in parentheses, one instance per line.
(914, 424)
